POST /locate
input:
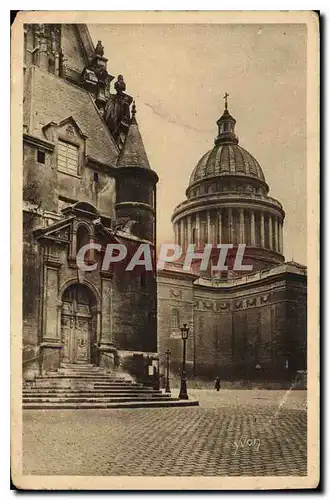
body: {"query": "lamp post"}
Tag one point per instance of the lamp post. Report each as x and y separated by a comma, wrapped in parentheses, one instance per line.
(167, 386)
(183, 386)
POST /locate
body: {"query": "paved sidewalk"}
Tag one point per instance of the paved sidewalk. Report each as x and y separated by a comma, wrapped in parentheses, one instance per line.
(288, 400)
(231, 433)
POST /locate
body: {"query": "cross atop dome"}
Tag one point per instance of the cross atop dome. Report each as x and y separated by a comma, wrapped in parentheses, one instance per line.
(226, 101)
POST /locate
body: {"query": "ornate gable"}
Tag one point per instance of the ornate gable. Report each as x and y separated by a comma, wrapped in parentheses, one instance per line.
(58, 232)
(67, 130)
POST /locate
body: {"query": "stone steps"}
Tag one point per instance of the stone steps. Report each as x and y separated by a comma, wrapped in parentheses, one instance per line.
(99, 405)
(81, 382)
(87, 387)
(69, 390)
(103, 399)
(97, 377)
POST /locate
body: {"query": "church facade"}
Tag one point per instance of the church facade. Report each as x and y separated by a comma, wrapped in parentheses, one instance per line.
(244, 325)
(86, 180)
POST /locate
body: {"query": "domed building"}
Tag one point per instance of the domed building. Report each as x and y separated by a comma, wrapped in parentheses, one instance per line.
(228, 202)
(244, 326)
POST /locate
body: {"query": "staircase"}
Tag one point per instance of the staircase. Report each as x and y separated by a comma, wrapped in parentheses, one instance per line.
(76, 386)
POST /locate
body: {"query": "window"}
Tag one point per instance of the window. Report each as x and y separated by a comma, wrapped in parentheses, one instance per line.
(67, 158)
(175, 318)
(96, 177)
(41, 156)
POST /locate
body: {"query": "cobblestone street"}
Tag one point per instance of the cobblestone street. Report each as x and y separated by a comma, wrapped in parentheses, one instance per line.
(231, 433)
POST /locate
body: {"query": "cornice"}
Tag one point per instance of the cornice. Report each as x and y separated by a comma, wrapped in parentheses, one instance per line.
(39, 143)
(99, 165)
(137, 204)
(252, 202)
(237, 176)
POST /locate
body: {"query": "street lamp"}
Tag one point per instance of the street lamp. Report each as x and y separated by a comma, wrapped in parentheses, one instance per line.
(183, 387)
(167, 386)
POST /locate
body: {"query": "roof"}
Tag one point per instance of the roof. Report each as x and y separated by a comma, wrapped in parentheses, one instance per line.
(133, 153)
(55, 99)
(227, 159)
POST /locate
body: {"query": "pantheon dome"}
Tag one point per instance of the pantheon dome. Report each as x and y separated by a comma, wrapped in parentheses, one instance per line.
(227, 202)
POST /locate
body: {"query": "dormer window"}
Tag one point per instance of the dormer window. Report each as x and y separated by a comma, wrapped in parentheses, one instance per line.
(67, 158)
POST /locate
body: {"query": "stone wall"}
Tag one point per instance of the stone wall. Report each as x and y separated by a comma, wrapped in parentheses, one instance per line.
(252, 332)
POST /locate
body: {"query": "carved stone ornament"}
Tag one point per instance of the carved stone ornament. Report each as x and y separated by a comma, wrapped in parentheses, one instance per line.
(264, 298)
(252, 301)
(176, 293)
(69, 130)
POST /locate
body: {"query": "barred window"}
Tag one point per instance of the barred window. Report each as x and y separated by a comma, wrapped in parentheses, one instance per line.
(67, 158)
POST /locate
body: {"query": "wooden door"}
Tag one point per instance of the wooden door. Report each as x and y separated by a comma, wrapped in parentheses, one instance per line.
(76, 325)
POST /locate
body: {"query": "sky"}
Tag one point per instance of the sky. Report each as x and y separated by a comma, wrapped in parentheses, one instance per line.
(178, 75)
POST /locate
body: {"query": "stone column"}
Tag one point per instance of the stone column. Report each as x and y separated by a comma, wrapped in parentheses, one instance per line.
(176, 233)
(59, 312)
(104, 329)
(230, 225)
(220, 227)
(98, 324)
(57, 64)
(182, 243)
(104, 326)
(208, 227)
(198, 230)
(262, 230)
(189, 230)
(276, 248)
(270, 231)
(280, 237)
(241, 226)
(43, 51)
(253, 229)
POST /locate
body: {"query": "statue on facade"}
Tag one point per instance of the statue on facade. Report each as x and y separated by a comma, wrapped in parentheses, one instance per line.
(120, 85)
(99, 49)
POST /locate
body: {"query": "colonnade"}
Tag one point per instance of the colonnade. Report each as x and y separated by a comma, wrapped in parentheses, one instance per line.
(231, 225)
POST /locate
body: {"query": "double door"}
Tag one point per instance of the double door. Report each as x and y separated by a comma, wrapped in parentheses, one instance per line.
(76, 326)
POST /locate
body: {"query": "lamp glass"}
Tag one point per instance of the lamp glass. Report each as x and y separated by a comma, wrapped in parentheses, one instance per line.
(184, 332)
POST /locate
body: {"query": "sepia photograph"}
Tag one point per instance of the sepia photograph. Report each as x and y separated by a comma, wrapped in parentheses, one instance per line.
(165, 283)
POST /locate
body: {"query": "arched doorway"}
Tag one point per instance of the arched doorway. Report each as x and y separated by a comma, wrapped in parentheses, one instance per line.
(78, 325)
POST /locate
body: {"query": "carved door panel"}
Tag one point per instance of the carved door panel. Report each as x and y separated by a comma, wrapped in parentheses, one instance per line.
(82, 339)
(66, 336)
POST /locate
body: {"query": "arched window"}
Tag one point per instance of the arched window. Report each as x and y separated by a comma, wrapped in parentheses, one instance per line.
(175, 319)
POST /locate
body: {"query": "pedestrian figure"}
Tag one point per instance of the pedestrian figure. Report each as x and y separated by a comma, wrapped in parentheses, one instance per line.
(217, 384)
